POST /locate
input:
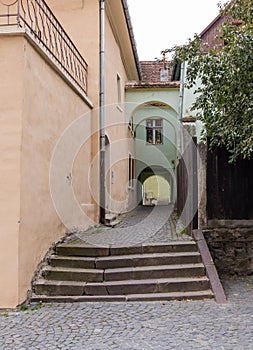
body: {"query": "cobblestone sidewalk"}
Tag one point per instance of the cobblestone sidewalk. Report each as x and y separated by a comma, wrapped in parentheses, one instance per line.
(143, 224)
(135, 326)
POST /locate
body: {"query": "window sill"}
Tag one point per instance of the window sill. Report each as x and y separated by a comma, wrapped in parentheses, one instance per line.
(154, 144)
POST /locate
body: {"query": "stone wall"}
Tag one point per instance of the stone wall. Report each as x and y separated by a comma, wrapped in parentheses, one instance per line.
(231, 249)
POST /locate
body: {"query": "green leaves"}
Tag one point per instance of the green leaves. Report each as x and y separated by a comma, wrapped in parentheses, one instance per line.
(225, 96)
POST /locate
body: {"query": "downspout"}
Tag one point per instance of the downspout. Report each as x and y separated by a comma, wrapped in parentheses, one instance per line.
(102, 110)
(180, 111)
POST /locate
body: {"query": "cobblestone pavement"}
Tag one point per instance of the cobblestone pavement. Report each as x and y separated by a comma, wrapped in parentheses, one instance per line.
(135, 326)
(143, 224)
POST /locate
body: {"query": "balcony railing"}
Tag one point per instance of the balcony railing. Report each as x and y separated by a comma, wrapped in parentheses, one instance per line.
(36, 17)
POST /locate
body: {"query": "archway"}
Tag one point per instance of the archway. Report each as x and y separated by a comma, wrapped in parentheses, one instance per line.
(156, 191)
(155, 186)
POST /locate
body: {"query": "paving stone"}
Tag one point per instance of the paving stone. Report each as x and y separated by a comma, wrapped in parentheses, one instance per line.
(135, 325)
(187, 325)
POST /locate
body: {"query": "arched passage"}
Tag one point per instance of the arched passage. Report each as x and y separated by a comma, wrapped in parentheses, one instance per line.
(156, 191)
(155, 186)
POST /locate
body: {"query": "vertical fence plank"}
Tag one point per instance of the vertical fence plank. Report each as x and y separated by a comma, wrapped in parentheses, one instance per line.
(187, 186)
(229, 187)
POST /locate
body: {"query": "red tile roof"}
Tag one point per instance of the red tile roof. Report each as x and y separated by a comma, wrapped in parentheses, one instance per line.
(151, 71)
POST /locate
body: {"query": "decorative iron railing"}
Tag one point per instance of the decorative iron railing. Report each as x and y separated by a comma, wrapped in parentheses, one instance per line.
(37, 18)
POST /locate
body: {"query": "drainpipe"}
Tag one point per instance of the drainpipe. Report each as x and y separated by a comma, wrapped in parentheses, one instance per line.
(180, 110)
(102, 111)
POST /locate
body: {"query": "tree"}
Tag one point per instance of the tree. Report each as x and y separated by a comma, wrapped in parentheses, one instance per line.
(224, 99)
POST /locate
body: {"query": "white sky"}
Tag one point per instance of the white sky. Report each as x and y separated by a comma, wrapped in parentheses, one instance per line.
(161, 24)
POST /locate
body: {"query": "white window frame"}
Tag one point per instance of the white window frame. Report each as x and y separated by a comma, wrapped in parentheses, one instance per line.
(131, 171)
(154, 128)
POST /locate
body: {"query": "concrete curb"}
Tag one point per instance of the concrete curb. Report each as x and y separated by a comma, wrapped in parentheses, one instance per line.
(211, 271)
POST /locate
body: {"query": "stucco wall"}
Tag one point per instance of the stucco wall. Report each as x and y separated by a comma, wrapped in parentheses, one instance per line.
(163, 154)
(50, 106)
(81, 20)
(116, 125)
(39, 98)
(11, 100)
(136, 97)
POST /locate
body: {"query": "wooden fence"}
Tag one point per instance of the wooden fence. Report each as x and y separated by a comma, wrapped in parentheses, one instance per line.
(187, 188)
(229, 187)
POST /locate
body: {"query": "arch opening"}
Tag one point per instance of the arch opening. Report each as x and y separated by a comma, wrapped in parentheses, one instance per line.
(155, 187)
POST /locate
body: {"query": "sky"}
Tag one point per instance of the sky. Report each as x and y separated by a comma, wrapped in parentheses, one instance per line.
(161, 24)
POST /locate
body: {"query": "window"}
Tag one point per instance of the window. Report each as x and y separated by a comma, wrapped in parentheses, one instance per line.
(131, 171)
(154, 131)
(131, 126)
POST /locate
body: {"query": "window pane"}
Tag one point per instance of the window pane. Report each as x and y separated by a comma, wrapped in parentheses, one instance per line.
(149, 136)
(158, 137)
(158, 122)
(149, 123)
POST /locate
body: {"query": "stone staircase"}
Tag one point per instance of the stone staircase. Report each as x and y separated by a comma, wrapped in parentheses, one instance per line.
(155, 271)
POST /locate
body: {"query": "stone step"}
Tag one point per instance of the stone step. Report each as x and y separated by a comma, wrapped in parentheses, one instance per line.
(125, 273)
(72, 274)
(51, 287)
(148, 248)
(73, 261)
(145, 272)
(154, 272)
(192, 295)
(126, 260)
(81, 249)
(78, 248)
(152, 259)
(163, 285)
(54, 287)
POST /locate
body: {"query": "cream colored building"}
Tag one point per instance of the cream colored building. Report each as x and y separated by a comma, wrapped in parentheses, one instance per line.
(50, 123)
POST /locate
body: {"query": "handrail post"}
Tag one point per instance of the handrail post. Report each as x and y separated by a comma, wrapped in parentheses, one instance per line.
(18, 14)
(36, 17)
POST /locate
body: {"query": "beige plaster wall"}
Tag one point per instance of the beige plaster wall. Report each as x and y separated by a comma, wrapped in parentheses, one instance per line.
(80, 19)
(36, 108)
(116, 125)
(11, 100)
(50, 106)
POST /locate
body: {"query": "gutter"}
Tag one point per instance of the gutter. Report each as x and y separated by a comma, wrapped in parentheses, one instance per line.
(102, 109)
(131, 35)
(180, 110)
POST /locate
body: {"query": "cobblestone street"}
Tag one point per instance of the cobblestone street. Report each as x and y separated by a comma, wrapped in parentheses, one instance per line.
(141, 225)
(135, 326)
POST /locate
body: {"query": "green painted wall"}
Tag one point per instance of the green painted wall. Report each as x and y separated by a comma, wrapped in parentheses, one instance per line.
(145, 103)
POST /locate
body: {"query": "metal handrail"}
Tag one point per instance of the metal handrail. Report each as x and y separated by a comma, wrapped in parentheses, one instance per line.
(38, 19)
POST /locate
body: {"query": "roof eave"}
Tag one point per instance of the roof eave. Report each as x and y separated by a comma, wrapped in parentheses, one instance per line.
(131, 35)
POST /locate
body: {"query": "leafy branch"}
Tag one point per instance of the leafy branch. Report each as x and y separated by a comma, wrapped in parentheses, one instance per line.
(224, 99)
